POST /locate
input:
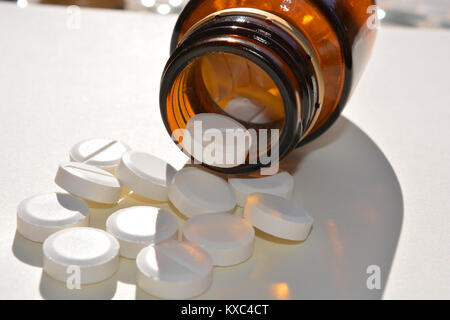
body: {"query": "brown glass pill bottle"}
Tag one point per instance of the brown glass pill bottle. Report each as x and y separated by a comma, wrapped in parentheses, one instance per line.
(298, 60)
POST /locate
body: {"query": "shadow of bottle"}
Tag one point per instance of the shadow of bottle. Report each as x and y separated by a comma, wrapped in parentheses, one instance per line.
(349, 187)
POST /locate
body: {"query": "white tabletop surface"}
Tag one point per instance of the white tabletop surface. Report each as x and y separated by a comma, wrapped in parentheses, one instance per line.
(58, 86)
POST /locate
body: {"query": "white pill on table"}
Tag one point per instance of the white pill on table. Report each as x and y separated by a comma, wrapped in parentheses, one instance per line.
(194, 191)
(216, 140)
(174, 270)
(40, 216)
(92, 254)
(228, 239)
(100, 152)
(139, 227)
(278, 216)
(145, 175)
(281, 184)
(88, 182)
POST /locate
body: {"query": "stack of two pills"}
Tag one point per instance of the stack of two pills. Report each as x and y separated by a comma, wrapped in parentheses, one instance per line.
(167, 267)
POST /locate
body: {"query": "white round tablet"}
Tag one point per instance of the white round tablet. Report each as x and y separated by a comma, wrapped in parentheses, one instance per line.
(138, 227)
(41, 215)
(92, 254)
(194, 191)
(228, 239)
(88, 182)
(145, 175)
(100, 152)
(216, 140)
(174, 270)
(281, 184)
(278, 216)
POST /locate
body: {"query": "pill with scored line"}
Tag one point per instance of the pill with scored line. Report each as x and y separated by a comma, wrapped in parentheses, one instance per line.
(103, 153)
(216, 140)
(88, 182)
(174, 270)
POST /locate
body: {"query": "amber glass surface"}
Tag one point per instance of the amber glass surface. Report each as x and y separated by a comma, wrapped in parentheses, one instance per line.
(230, 84)
(337, 30)
(239, 88)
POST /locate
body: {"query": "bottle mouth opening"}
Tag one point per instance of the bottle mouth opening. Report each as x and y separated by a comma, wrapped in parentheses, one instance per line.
(197, 79)
(227, 66)
(231, 80)
(239, 88)
(231, 85)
